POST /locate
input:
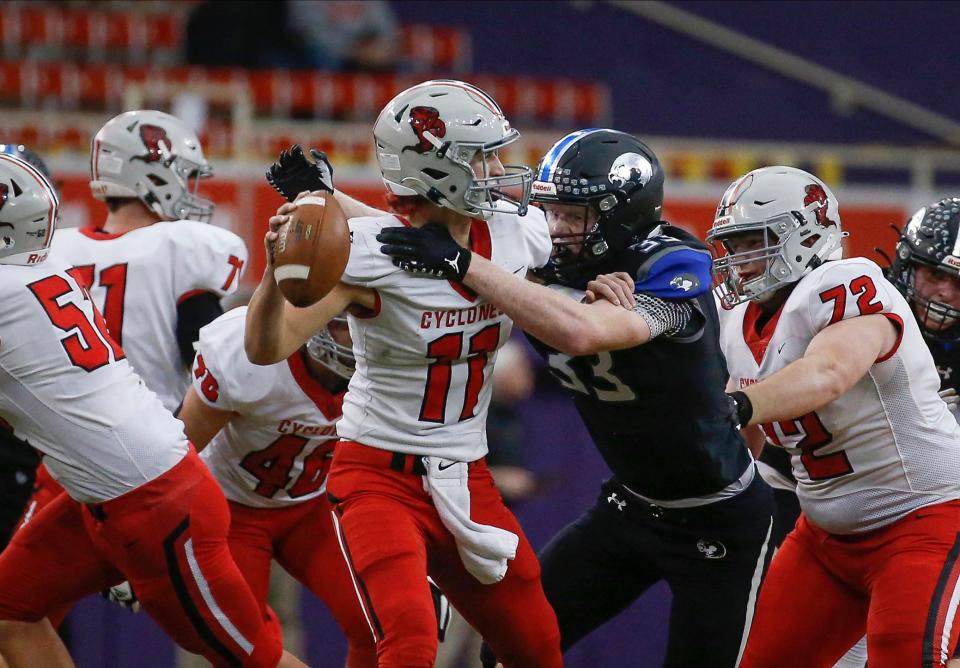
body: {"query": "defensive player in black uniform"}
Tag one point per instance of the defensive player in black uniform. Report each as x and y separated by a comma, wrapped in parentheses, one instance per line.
(684, 504)
(926, 269)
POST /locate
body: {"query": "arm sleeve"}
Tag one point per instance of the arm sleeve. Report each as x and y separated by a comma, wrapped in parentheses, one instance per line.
(208, 259)
(849, 289)
(668, 317)
(194, 312)
(222, 376)
(670, 269)
(366, 264)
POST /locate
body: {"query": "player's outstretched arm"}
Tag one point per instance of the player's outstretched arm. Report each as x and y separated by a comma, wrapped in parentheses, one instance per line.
(201, 422)
(569, 326)
(835, 360)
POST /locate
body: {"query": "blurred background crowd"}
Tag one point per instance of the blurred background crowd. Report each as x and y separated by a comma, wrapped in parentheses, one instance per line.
(858, 93)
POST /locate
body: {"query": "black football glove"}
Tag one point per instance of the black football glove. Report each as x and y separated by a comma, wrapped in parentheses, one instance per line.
(294, 173)
(741, 408)
(427, 250)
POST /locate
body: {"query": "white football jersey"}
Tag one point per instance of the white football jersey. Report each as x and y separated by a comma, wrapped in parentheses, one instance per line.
(138, 278)
(425, 356)
(276, 451)
(887, 446)
(66, 388)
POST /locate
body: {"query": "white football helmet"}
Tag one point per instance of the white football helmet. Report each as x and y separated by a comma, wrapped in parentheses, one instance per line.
(426, 138)
(154, 157)
(799, 219)
(29, 211)
(337, 357)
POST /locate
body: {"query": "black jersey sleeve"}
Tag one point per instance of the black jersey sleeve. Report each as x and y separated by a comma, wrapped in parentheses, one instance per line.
(670, 268)
(193, 313)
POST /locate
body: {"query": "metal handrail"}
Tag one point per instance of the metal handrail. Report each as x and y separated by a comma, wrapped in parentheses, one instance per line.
(846, 92)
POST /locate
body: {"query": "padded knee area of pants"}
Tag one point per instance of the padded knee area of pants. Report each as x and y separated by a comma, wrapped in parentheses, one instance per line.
(267, 649)
(411, 639)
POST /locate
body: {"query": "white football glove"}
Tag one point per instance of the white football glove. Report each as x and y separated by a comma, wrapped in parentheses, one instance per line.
(123, 595)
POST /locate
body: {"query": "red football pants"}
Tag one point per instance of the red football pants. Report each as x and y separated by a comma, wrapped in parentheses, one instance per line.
(302, 540)
(168, 537)
(45, 490)
(393, 538)
(899, 583)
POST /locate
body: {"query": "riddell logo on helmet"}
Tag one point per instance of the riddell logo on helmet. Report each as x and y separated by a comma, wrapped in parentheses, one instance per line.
(544, 187)
(425, 119)
(158, 144)
(952, 260)
(816, 193)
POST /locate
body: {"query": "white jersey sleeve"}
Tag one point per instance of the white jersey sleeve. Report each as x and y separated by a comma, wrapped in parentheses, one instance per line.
(66, 387)
(138, 278)
(276, 450)
(207, 258)
(426, 352)
(847, 290)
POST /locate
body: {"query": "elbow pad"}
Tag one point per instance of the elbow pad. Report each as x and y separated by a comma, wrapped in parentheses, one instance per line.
(662, 316)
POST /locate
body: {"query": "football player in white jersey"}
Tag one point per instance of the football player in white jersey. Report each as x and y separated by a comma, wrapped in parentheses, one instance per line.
(267, 434)
(139, 503)
(155, 268)
(827, 357)
(411, 492)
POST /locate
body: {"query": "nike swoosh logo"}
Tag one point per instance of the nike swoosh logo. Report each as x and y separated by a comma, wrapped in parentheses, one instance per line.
(441, 467)
(759, 203)
(780, 349)
(518, 270)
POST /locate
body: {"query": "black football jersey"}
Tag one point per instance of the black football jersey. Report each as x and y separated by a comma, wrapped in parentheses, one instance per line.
(658, 412)
(947, 358)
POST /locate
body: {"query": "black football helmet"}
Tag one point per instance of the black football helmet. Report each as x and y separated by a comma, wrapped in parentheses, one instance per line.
(612, 171)
(930, 238)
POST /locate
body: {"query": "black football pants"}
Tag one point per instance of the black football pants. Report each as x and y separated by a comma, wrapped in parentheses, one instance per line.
(713, 558)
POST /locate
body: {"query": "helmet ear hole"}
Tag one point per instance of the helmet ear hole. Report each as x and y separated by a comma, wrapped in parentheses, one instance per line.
(156, 180)
(435, 174)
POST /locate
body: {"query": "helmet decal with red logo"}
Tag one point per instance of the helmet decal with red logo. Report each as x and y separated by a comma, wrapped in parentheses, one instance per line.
(157, 142)
(425, 119)
(816, 193)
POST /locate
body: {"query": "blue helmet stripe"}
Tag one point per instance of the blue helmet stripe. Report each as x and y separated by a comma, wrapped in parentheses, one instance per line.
(554, 154)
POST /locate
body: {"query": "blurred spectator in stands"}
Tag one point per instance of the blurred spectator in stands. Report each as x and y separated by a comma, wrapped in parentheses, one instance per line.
(513, 381)
(346, 35)
(244, 34)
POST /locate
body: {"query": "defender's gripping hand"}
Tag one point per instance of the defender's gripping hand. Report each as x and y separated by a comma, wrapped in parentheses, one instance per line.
(293, 172)
(428, 250)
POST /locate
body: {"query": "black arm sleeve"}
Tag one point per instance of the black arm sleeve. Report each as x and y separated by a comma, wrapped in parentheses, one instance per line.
(193, 313)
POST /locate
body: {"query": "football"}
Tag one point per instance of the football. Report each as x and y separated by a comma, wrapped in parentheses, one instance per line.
(311, 250)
